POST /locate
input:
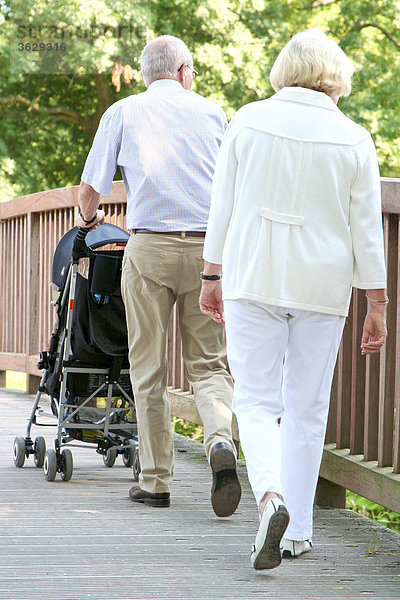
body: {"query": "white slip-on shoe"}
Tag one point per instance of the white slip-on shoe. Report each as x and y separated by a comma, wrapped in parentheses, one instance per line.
(291, 548)
(266, 552)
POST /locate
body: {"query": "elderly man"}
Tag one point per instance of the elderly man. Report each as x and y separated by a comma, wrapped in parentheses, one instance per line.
(166, 141)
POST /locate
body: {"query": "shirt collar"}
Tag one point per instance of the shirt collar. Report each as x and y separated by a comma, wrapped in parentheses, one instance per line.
(305, 96)
(164, 84)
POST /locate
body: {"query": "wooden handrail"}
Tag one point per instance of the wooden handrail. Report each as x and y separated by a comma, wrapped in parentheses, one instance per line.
(54, 199)
(68, 198)
(362, 451)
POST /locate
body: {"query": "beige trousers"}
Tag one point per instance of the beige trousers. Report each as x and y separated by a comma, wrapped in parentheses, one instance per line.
(159, 270)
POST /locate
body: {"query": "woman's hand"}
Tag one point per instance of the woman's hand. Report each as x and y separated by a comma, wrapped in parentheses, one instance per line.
(210, 300)
(374, 330)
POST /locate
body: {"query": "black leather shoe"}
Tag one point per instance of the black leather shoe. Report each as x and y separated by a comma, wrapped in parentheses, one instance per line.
(225, 490)
(149, 498)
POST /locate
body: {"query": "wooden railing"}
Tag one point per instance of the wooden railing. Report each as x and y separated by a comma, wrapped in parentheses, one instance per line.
(362, 451)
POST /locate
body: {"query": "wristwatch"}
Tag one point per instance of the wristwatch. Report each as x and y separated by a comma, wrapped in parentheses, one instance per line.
(92, 220)
(211, 277)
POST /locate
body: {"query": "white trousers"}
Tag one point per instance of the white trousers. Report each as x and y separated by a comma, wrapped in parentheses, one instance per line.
(282, 361)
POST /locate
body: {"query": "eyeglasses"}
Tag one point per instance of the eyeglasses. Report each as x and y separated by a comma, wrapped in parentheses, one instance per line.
(194, 72)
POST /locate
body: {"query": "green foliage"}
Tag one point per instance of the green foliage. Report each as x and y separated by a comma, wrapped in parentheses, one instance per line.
(190, 430)
(373, 511)
(51, 103)
(16, 381)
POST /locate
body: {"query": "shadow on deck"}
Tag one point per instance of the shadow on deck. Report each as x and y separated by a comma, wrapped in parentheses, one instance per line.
(85, 539)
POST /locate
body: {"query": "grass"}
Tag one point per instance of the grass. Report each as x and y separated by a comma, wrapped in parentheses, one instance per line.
(190, 430)
(16, 381)
(373, 511)
(390, 519)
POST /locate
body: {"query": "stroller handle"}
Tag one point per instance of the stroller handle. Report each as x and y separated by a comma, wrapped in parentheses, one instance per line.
(80, 249)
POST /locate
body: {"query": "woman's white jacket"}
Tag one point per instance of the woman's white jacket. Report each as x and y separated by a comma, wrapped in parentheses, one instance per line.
(295, 215)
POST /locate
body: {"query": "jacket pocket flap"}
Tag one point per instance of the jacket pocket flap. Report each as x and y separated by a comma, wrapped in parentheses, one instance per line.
(266, 213)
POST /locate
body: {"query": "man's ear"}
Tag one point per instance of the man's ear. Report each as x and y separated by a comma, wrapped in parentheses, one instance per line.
(184, 78)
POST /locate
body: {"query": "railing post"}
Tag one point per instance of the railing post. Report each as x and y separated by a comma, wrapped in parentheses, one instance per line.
(357, 402)
(32, 250)
(344, 378)
(388, 352)
(396, 368)
(330, 494)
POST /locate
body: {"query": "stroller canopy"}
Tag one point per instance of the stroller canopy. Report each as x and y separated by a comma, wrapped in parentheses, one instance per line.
(104, 234)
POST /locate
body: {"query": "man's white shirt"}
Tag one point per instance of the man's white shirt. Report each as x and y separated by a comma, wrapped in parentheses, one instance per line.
(166, 141)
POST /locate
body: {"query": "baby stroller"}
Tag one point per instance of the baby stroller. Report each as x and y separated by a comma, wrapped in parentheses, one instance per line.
(86, 369)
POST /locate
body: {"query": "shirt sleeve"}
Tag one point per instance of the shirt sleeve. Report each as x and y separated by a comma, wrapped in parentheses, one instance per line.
(369, 270)
(101, 162)
(222, 196)
(224, 120)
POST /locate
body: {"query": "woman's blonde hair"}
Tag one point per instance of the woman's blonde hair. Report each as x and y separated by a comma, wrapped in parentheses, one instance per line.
(312, 60)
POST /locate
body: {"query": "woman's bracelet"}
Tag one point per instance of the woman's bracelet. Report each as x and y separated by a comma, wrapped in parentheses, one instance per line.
(377, 302)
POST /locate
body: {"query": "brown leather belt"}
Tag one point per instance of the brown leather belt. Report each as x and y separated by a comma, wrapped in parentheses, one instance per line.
(182, 234)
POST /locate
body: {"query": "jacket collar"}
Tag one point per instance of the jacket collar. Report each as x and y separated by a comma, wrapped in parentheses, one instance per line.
(305, 96)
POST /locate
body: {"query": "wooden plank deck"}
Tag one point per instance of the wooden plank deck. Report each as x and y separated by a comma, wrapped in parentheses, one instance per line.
(85, 539)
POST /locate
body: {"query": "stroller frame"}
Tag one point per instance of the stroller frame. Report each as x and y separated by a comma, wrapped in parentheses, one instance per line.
(111, 436)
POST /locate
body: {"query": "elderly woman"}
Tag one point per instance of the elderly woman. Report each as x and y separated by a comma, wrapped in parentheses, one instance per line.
(295, 222)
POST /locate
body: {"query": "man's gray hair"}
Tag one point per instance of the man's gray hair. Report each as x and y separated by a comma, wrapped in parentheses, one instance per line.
(162, 57)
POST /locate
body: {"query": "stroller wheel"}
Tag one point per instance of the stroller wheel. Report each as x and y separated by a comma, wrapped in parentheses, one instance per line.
(19, 451)
(40, 451)
(50, 465)
(67, 464)
(128, 456)
(110, 458)
(136, 466)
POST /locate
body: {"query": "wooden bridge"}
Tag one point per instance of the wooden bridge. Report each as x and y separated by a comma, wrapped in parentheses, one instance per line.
(106, 548)
(85, 539)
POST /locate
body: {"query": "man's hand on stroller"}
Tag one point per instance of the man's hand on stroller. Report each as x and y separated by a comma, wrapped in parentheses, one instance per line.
(90, 216)
(99, 220)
